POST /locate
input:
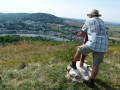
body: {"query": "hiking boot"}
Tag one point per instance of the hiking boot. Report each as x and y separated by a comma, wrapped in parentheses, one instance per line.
(73, 65)
(91, 83)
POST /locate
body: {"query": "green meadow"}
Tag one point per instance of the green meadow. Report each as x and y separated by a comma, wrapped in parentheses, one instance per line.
(113, 32)
(41, 65)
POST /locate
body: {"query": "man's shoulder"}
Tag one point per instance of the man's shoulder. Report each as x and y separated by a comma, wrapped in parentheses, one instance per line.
(93, 20)
(96, 19)
(90, 19)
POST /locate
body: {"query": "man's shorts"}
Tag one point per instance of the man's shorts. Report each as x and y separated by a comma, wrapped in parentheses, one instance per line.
(97, 56)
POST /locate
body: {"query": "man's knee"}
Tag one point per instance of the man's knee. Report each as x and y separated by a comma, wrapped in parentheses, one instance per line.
(78, 51)
(95, 67)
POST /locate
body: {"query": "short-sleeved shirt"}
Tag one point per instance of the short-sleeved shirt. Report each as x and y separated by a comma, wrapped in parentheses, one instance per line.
(97, 37)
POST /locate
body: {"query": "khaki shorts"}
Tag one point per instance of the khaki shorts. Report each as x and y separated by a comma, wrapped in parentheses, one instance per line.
(97, 56)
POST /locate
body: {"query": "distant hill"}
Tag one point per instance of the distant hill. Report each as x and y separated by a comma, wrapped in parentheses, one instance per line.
(49, 24)
(112, 23)
(76, 20)
(42, 23)
(43, 17)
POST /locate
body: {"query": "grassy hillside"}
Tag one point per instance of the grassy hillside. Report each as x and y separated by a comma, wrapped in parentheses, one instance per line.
(113, 32)
(42, 65)
(73, 23)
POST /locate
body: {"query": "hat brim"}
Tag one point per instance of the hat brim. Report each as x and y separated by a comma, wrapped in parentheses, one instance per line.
(94, 14)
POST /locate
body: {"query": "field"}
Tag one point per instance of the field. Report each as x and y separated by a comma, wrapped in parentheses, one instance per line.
(113, 28)
(42, 66)
(73, 23)
(113, 32)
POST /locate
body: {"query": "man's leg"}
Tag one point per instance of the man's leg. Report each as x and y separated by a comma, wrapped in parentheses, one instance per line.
(83, 49)
(93, 75)
(77, 56)
(97, 59)
(94, 71)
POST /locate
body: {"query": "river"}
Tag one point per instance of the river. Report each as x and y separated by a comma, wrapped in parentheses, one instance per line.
(39, 35)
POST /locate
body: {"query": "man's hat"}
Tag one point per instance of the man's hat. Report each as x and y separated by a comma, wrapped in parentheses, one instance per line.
(94, 12)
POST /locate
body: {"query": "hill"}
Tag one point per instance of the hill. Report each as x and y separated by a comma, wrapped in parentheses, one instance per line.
(36, 65)
(41, 23)
(43, 17)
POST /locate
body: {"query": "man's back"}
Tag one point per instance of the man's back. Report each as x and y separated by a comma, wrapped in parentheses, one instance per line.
(97, 37)
(96, 25)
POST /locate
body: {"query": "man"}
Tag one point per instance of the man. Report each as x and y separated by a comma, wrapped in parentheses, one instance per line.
(97, 43)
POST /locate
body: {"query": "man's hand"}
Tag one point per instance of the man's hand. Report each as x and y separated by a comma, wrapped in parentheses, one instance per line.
(81, 33)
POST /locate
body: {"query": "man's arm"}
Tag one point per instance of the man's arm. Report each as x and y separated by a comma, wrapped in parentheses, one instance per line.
(82, 33)
(84, 29)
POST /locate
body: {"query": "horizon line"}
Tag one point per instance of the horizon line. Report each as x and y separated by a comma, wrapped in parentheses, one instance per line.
(55, 15)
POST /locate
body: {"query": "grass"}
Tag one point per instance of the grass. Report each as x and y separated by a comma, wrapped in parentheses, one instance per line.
(113, 32)
(113, 28)
(42, 66)
(73, 23)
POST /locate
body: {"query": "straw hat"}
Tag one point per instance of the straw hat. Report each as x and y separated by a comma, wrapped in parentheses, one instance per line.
(94, 12)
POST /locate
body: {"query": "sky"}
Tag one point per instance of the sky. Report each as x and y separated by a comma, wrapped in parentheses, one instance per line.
(109, 9)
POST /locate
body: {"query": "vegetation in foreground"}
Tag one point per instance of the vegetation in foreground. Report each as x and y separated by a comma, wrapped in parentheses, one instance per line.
(41, 65)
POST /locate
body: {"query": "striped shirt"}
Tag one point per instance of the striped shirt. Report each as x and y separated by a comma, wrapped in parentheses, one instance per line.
(97, 37)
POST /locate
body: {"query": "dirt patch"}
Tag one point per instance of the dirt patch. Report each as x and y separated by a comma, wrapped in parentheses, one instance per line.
(118, 66)
(114, 38)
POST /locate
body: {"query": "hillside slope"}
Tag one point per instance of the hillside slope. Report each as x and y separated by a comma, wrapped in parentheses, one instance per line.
(42, 65)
